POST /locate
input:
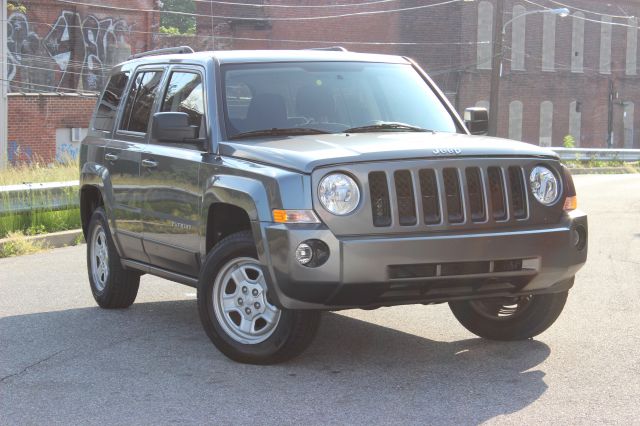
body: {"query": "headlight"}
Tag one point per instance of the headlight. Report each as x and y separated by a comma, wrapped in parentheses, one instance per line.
(544, 185)
(338, 193)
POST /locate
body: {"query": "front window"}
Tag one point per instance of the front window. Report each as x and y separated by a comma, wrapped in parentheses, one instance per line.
(329, 97)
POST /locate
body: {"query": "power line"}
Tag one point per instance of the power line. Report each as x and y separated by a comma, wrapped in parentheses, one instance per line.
(244, 18)
(294, 6)
(588, 11)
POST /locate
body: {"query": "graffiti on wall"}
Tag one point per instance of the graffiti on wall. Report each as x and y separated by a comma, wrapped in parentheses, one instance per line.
(75, 53)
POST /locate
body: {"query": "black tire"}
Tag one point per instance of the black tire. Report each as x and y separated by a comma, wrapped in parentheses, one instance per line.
(533, 316)
(120, 286)
(290, 335)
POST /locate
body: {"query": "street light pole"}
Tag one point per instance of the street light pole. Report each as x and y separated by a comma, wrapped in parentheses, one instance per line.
(499, 31)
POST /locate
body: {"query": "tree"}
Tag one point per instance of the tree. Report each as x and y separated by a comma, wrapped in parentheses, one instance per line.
(176, 24)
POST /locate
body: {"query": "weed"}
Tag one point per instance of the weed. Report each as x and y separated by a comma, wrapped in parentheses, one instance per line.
(18, 244)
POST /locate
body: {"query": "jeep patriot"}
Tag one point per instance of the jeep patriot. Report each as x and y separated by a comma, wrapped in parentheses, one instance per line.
(285, 183)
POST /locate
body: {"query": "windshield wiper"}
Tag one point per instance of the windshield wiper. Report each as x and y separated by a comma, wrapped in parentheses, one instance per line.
(293, 131)
(387, 126)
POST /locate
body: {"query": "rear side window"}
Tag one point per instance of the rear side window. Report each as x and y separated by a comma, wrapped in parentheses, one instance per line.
(142, 94)
(185, 94)
(110, 101)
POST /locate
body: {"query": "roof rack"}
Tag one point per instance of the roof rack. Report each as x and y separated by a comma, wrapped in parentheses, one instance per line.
(332, 48)
(165, 51)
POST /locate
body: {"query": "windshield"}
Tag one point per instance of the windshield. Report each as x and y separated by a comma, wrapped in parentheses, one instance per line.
(329, 97)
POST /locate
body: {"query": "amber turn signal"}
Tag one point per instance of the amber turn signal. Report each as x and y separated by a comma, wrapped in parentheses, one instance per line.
(571, 203)
(295, 216)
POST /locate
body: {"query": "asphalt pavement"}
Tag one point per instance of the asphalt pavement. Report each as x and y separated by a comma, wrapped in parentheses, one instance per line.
(65, 361)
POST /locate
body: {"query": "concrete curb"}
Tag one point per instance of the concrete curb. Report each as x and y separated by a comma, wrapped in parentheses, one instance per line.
(601, 170)
(53, 240)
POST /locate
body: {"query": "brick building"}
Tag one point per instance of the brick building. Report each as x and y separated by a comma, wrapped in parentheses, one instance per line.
(56, 50)
(561, 76)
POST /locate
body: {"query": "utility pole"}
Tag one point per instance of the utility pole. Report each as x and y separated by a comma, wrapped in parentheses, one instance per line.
(496, 68)
(4, 102)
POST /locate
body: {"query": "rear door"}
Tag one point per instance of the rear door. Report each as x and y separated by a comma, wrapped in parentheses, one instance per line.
(169, 174)
(123, 155)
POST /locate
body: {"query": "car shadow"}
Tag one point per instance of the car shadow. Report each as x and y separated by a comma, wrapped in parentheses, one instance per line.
(355, 371)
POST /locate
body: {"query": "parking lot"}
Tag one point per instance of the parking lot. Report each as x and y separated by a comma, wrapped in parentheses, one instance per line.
(64, 360)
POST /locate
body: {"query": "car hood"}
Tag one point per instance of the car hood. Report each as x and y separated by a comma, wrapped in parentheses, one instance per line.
(305, 153)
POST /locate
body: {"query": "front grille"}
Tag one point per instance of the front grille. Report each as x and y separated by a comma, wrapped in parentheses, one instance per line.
(380, 206)
(448, 196)
(406, 199)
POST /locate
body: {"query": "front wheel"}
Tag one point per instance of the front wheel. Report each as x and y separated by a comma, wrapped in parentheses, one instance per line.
(516, 318)
(237, 314)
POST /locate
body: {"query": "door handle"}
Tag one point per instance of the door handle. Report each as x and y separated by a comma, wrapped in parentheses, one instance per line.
(111, 157)
(149, 164)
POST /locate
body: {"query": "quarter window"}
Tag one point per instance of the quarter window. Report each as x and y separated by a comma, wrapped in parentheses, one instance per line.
(110, 101)
(185, 94)
(140, 101)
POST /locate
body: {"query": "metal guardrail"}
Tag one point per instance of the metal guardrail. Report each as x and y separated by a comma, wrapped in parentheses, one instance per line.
(598, 154)
(31, 197)
(60, 196)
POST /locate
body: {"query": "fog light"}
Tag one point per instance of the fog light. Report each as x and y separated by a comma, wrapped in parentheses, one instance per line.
(579, 237)
(312, 253)
(304, 253)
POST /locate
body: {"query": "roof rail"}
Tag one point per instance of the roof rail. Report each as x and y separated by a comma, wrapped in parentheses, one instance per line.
(165, 51)
(332, 48)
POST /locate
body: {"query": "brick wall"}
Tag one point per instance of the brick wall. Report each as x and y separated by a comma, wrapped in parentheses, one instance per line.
(57, 46)
(34, 118)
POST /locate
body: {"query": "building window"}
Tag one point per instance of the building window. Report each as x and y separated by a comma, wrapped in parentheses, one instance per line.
(632, 47)
(605, 45)
(485, 35)
(515, 120)
(518, 38)
(546, 123)
(575, 121)
(629, 118)
(549, 42)
(577, 42)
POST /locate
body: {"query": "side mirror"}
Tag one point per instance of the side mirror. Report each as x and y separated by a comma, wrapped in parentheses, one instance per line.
(477, 120)
(173, 127)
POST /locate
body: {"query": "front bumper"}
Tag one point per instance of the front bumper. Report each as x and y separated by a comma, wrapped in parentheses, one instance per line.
(372, 271)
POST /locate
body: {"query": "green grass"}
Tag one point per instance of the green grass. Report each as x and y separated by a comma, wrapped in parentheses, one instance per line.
(596, 164)
(39, 222)
(38, 173)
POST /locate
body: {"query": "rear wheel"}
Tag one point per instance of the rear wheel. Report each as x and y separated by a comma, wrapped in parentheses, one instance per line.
(112, 286)
(516, 318)
(237, 314)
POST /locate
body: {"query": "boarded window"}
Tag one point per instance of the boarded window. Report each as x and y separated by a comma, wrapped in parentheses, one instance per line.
(575, 121)
(632, 47)
(629, 116)
(485, 35)
(546, 123)
(515, 120)
(518, 37)
(577, 42)
(605, 45)
(549, 42)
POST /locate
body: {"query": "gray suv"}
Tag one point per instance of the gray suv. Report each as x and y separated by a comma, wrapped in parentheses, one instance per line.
(285, 183)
